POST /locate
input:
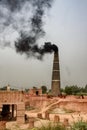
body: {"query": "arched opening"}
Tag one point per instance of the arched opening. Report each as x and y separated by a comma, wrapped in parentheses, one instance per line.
(37, 93)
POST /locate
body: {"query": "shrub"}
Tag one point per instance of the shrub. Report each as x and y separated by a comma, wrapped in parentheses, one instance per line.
(53, 127)
(80, 125)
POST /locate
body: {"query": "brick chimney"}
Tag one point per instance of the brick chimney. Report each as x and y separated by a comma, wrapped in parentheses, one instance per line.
(55, 87)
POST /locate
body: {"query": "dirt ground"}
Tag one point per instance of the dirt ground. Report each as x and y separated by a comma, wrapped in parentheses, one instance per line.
(72, 116)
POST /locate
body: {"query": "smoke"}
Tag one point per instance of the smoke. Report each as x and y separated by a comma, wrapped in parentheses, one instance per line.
(25, 17)
(38, 52)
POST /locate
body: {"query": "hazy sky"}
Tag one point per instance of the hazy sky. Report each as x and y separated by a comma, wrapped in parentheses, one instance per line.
(66, 26)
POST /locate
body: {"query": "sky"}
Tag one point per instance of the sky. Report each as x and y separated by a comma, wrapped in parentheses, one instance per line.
(66, 26)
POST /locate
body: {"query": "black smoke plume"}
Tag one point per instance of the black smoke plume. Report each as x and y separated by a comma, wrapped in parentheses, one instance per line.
(38, 52)
(29, 29)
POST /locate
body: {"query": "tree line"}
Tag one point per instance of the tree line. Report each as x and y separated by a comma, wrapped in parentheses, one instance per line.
(69, 90)
(74, 90)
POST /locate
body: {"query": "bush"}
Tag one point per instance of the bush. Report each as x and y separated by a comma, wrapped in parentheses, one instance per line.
(53, 127)
(80, 125)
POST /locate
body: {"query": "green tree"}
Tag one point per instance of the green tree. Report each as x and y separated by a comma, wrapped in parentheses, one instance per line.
(75, 89)
(72, 89)
(82, 90)
(62, 90)
(34, 87)
(26, 90)
(68, 90)
(3, 88)
(86, 88)
(44, 89)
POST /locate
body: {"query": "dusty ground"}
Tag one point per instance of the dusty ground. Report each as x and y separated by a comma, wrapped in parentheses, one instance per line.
(72, 116)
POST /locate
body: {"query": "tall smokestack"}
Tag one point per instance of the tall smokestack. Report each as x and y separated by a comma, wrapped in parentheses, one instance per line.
(56, 75)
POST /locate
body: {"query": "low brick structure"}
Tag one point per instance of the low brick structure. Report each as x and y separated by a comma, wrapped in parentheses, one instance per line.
(35, 91)
(39, 115)
(47, 115)
(66, 122)
(2, 125)
(31, 122)
(56, 118)
(11, 101)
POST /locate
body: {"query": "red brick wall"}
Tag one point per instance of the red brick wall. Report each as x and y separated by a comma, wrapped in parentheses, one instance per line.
(11, 97)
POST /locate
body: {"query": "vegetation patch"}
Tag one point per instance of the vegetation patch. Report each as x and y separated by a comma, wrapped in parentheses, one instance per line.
(80, 125)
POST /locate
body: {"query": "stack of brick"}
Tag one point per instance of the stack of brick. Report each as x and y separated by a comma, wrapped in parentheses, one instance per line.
(31, 122)
(47, 115)
(56, 118)
(21, 113)
(66, 122)
(39, 115)
(2, 125)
